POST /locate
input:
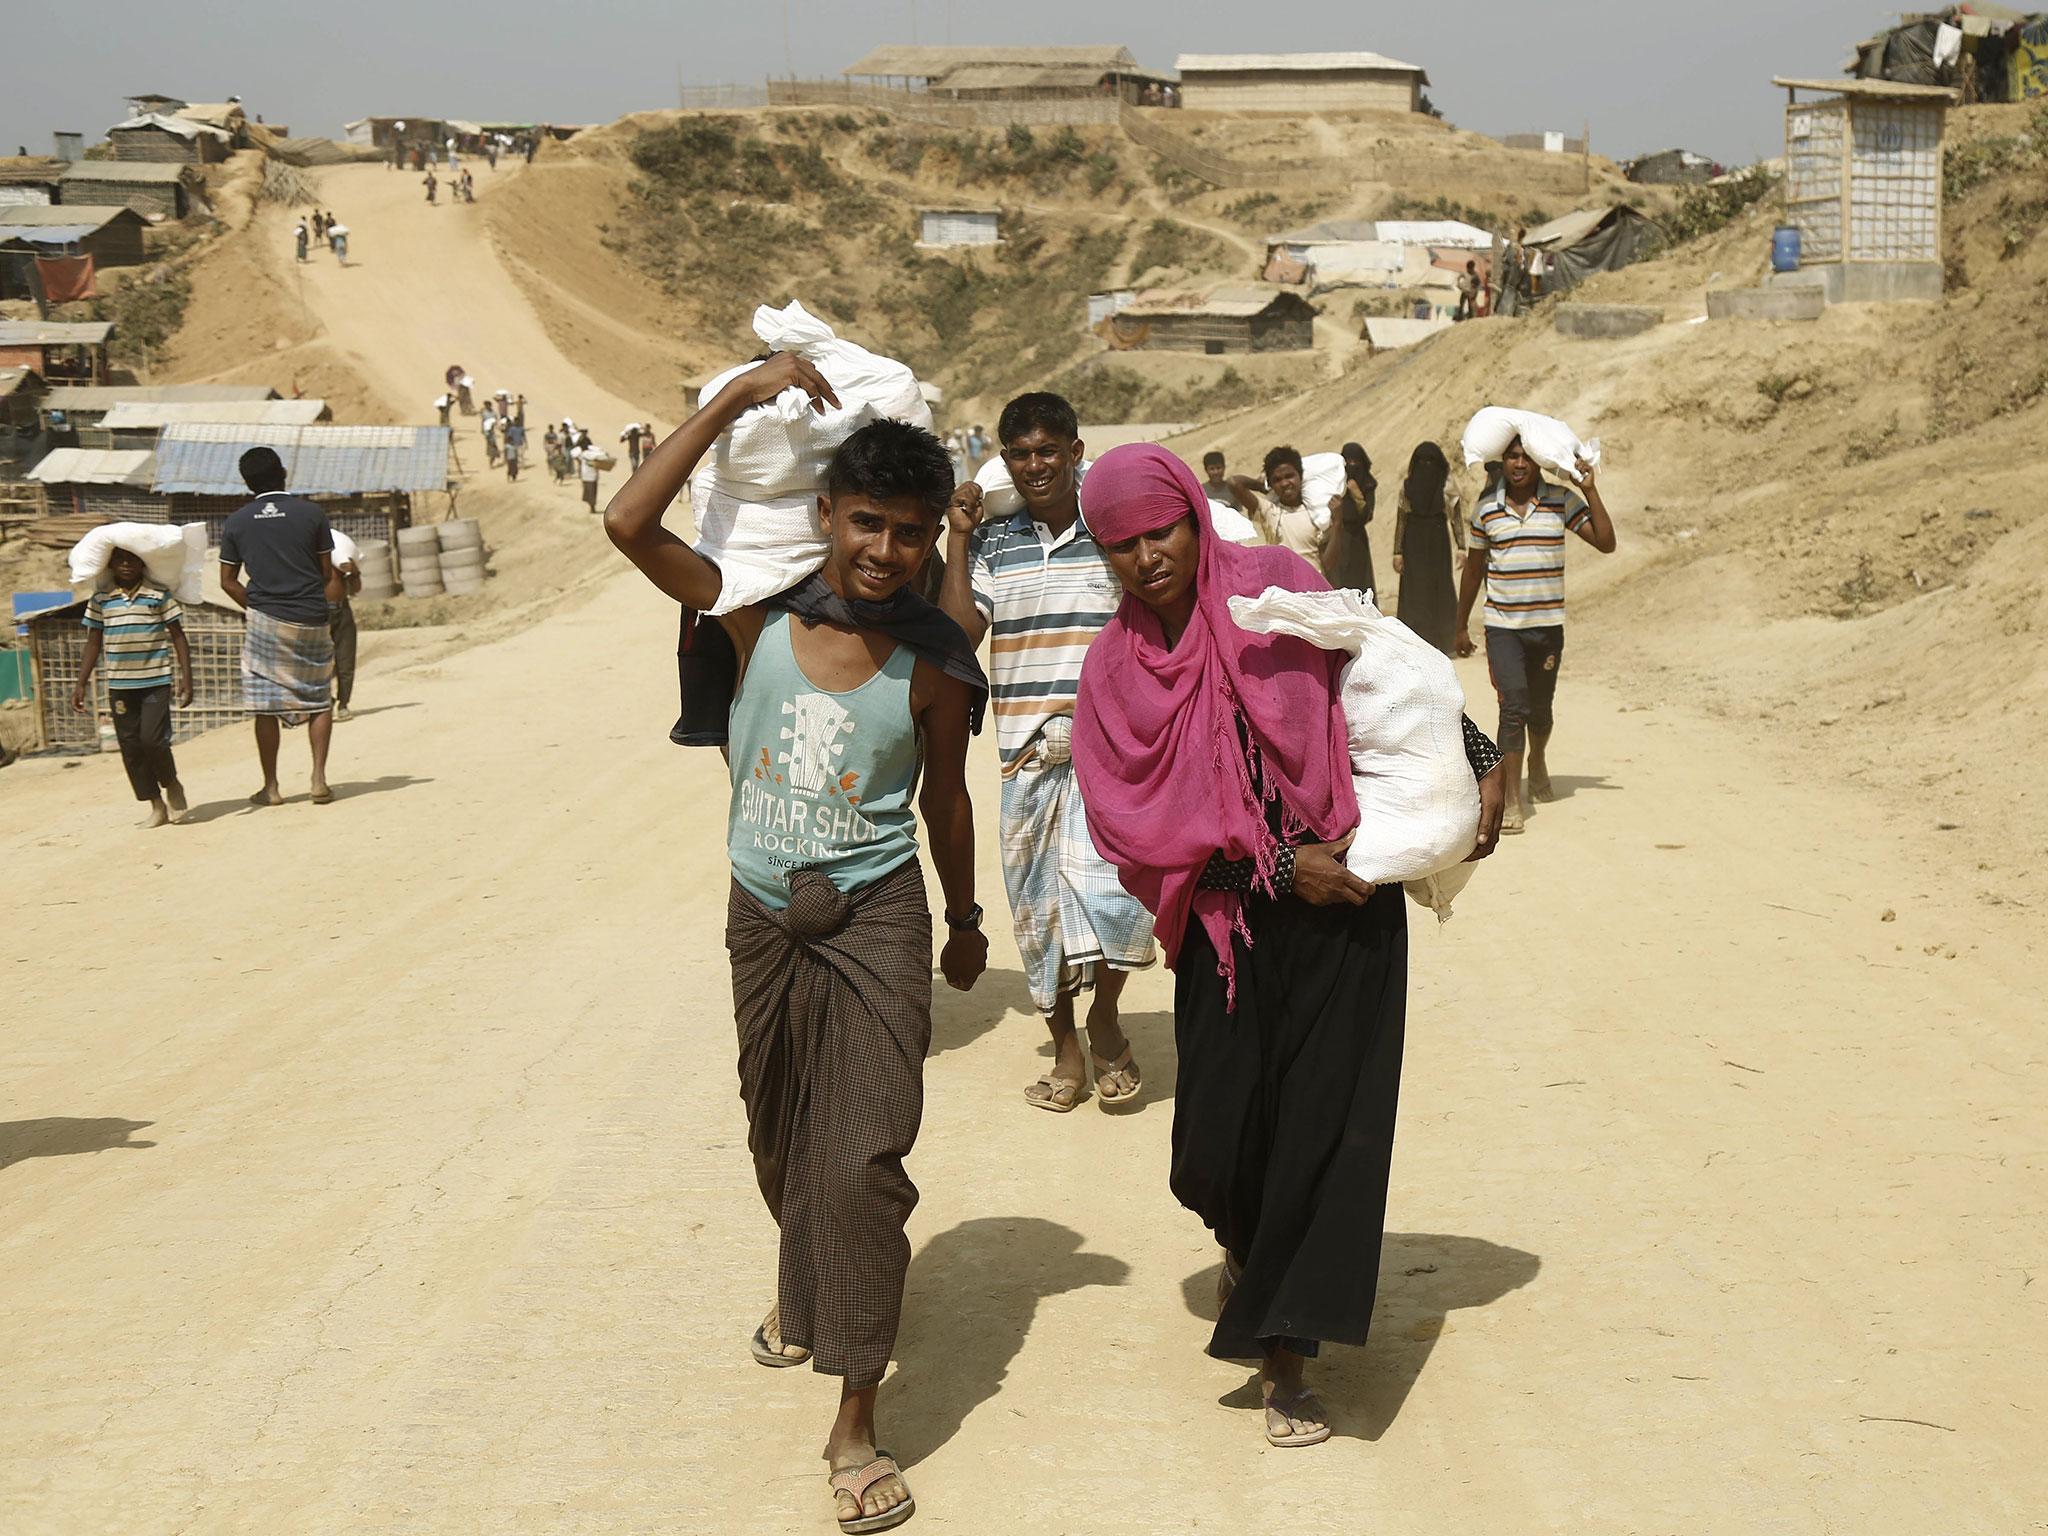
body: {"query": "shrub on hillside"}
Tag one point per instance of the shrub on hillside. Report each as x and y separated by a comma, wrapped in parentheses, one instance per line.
(1170, 243)
(1713, 205)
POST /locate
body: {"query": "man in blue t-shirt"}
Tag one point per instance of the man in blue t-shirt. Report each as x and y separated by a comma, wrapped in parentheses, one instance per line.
(286, 546)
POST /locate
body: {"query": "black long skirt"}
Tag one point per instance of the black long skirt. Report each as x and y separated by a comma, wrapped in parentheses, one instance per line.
(1283, 1118)
(1429, 598)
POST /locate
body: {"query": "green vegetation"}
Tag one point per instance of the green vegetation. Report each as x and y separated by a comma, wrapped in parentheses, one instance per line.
(1170, 243)
(1017, 155)
(1967, 166)
(1709, 206)
(147, 311)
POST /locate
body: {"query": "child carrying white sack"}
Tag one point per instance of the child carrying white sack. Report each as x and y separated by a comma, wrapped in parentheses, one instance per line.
(174, 556)
(756, 493)
(1418, 803)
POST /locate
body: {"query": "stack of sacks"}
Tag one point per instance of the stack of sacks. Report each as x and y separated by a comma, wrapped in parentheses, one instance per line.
(174, 557)
(1549, 441)
(1418, 803)
(756, 493)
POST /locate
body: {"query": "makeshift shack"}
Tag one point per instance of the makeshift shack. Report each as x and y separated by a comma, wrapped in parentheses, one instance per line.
(1299, 83)
(111, 236)
(74, 412)
(1006, 74)
(29, 180)
(383, 132)
(1863, 186)
(1423, 254)
(1671, 168)
(1592, 240)
(149, 101)
(156, 189)
(106, 484)
(152, 136)
(61, 351)
(226, 116)
(22, 439)
(1212, 320)
(957, 226)
(56, 642)
(364, 477)
(1984, 52)
(137, 423)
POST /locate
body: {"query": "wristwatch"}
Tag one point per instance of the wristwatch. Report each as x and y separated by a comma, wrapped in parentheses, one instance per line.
(971, 923)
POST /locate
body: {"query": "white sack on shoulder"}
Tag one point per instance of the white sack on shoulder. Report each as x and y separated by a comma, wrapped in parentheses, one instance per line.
(781, 448)
(999, 495)
(345, 550)
(1418, 804)
(1550, 442)
(1322, 476)
(165, 548)
(1231, 524)
(760, 547)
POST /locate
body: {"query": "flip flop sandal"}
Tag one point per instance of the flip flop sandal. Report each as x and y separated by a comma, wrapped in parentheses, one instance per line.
(1122, 1065)
(1281, 1406)
(857, 1481)
(767, 1354)
(1052, 1098)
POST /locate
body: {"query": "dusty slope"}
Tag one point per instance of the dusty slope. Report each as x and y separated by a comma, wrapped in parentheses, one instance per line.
(413, 1195)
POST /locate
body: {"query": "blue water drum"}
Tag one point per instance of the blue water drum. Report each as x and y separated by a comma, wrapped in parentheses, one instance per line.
(1785, 249)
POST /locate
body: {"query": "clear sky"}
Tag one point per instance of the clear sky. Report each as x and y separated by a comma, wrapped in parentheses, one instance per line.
(1648, 75)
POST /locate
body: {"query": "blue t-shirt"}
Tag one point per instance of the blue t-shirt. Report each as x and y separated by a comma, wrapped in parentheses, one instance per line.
(280, 539)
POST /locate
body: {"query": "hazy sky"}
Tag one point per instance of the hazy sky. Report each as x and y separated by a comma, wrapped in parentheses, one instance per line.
(1650, 75)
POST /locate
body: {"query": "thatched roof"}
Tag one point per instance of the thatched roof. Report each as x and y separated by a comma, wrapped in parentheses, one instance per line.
(214, 114)
(1233, 63)
(30, 170)
(933, 63)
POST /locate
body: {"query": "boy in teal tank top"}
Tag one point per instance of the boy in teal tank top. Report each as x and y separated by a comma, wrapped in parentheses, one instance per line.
(841, 717)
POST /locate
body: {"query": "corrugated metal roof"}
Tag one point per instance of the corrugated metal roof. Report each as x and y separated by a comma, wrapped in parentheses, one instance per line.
(12, 379)
(184, 128)
(1018, 77)
(1234, 301)
(1450, 232)
(95, 466)
(929, 63)
(338, 461)
(53, 333)
(101, 397)
(1878, 88)
(125, 170)
(1231, 62)
(91, 215)
(143, 415)
(46, 234)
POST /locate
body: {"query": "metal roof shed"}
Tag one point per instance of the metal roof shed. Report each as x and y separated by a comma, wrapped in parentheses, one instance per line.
(154, 189)
(63, 352)
(202, 459)
(1299, 82)
(1863, 186)
(958, 226)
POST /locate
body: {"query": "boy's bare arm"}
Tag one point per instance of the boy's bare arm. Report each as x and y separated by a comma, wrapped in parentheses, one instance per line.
(949, 822)
(182, 654)
(231, 583)
(956, 592)
(632, 519)
(86, 663)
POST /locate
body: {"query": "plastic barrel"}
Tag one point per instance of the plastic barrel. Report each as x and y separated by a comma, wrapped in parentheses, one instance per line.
(1785, 249)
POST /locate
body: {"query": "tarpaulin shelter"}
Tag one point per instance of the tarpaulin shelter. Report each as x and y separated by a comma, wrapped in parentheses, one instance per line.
(1592, 240)
(1986, 52)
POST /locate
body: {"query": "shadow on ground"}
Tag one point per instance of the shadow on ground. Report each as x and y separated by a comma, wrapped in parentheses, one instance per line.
(1565, 785)
(64, 1136)
(967, 1309)
(1424, 1277)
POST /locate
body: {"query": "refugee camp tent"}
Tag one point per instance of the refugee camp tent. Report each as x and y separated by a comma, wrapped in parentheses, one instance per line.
(1987, 52)
(1592, 240)
(1670, 168)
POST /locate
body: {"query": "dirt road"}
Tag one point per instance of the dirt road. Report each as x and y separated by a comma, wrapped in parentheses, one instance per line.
(379, 1166)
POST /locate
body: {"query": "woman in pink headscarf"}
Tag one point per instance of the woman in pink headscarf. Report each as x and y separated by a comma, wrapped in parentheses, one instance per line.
(1217, 779)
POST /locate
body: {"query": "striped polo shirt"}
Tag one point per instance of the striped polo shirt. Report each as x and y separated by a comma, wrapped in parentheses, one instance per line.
(1525, 555)
(1046, 596)
(135, 634)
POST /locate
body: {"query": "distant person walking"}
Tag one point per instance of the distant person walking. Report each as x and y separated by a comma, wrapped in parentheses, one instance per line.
(515, 447)
(1468, 292)
(299, 238)
(443, 404)
(1347, 555)
(588, 456)
(139, 627)
(468, 188)
(1428, 523)
(431, 185)
(489, 423)
(558, 458)
(285, 545)
(337, 240)
(347, 581)
(1517, 556)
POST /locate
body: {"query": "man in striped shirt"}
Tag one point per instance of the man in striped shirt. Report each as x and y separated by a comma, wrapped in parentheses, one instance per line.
(1517, 553)
(139, 627)
(1039, 580)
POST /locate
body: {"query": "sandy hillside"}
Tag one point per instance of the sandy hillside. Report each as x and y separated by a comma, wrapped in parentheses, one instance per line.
(379, 1166)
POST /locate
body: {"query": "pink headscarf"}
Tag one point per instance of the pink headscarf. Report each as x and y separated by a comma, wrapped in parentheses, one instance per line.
(1162, 770)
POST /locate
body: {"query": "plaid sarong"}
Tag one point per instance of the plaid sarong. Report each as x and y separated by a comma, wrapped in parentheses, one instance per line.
(833, 999)
(286, 668)
(1069, 908)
